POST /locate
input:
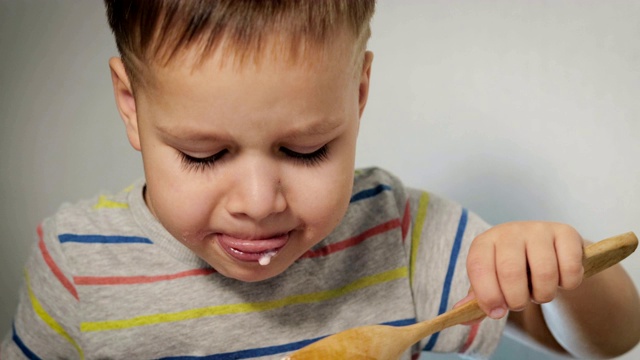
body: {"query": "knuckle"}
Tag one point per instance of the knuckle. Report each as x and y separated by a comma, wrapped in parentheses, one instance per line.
(518, 306)
(547, 275)
(483, 235)
(518, 303)
(568, 229)
(476, 265)
(572, 273)
(489, 302)
(544, 296)
(573, 269)
(570, 282)
(568, 232)
(510, 271)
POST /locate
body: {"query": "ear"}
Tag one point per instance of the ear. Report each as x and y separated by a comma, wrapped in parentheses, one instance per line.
(365, 76)
(125, 101)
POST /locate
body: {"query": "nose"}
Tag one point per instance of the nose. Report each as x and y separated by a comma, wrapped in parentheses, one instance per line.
(257, 191)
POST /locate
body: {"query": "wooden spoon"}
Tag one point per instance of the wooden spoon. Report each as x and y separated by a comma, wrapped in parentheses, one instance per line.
(382, 342)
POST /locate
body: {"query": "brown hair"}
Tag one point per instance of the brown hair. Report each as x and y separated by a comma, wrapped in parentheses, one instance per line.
(154, 31)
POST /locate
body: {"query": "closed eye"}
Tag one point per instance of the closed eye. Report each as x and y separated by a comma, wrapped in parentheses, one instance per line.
(200, 164)
(310, 159)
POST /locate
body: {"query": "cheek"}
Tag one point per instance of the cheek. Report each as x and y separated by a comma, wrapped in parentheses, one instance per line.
(326, 210)
(181, 204)
(327, 194)
(324, 197)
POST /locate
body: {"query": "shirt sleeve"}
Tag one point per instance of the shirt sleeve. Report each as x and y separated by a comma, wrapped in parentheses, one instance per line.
(46, 321)
(437, 244)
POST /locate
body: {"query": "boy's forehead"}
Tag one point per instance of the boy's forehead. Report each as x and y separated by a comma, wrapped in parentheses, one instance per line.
(273, 48)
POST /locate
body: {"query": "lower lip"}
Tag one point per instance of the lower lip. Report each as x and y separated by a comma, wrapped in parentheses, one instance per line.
(226, 244)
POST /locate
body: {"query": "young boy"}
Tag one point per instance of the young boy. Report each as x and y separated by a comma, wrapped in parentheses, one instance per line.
(252, 235)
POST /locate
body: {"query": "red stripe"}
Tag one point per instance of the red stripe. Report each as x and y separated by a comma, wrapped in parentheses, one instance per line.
(415, 356)
(344, 244)
(327, 250)
(142, 279)
(406, 220)
(52, 265)
(472, 335)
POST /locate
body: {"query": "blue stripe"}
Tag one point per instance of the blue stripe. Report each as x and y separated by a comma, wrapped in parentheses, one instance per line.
(271, 350)
(403, 322)
(250, 353)
(367, 193)
(103, 239)
(25, 350)
(444, 300)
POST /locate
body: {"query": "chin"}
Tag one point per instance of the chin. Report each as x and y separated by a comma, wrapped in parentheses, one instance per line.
(254, 275)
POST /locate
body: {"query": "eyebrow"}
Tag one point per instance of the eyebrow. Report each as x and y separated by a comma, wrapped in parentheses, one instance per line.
(320, 127)
(315, 128)
(182, 133)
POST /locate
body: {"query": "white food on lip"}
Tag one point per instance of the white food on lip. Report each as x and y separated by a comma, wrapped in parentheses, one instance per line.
(265, 259)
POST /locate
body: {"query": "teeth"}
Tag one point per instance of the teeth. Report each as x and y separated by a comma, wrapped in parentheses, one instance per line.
(237, 251)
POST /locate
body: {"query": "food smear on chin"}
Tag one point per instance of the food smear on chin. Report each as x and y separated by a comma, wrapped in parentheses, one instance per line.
(265, 259)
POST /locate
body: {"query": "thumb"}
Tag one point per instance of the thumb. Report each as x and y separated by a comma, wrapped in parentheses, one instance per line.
(470, 296)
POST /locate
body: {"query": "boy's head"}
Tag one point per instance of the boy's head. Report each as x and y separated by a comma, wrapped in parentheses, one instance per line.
(155, 32)
(246, 114)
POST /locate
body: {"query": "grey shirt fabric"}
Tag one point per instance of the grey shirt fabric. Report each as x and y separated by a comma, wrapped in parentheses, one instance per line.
(106, 280)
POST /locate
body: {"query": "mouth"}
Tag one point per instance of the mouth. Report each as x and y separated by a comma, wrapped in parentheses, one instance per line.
(252, 250)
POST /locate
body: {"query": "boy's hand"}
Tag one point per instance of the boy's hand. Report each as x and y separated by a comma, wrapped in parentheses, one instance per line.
(514, 263)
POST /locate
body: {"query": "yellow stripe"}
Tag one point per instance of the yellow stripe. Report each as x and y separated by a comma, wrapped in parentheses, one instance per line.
(421, 216)
(244, 307)
(44, 315)
(105, 203)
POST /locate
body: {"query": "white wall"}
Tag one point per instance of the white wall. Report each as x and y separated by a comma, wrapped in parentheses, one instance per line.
(519, 109)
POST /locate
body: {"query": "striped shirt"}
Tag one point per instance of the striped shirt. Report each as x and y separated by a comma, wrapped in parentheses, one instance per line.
(106, 280)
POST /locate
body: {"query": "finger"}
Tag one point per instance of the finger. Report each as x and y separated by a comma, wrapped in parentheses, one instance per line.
(569, 249)
(511, 262)
(482, 274)
(470, 296)
(543, 265)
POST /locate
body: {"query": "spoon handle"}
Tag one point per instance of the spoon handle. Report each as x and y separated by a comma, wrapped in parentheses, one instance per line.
(596, 257)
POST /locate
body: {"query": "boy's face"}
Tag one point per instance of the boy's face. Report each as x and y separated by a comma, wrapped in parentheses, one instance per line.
(244, 160)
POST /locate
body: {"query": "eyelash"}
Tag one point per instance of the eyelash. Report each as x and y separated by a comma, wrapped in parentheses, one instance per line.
(310, 159)
(201, 164)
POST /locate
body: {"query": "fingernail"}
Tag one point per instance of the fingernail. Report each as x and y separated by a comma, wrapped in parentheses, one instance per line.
(497, 313)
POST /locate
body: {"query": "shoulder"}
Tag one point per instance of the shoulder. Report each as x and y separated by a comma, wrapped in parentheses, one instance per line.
(427, 210)
(421, 204)
(100, 214)
(373, 182)
(437, 212)
(100, 219)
